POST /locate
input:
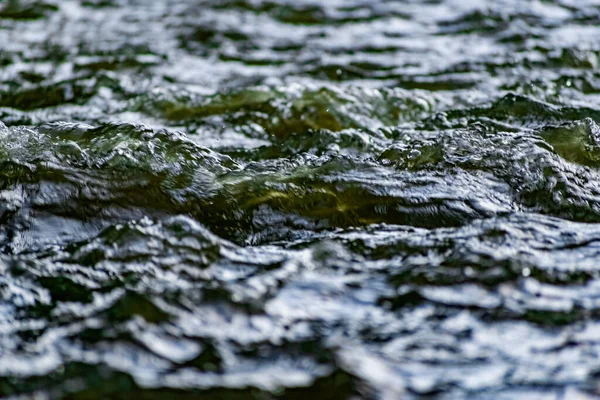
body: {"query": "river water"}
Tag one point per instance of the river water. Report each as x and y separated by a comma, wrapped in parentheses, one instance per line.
(261, 199)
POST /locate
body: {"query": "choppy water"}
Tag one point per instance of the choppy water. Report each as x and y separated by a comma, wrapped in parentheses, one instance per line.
(343, 199)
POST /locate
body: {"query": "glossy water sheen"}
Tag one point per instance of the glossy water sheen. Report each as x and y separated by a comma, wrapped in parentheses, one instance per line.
(345, 199)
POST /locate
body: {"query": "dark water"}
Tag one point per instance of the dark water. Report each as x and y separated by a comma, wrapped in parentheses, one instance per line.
(346, 199)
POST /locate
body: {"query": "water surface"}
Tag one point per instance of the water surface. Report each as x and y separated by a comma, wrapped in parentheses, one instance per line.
(344, 199)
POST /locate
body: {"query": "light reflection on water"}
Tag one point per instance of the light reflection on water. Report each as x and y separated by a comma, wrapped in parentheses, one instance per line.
(276, 199)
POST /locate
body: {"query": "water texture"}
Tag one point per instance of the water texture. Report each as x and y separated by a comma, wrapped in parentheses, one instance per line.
(278, 199)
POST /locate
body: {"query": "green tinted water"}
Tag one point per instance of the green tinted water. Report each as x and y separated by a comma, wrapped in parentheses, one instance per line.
(242, 199)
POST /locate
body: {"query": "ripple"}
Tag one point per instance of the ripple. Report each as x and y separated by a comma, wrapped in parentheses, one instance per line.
(275, 199)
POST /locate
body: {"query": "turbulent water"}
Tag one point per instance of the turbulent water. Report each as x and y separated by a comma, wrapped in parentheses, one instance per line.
(261, 199)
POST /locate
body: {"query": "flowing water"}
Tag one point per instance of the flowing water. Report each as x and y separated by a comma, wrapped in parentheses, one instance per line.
(264, 199)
